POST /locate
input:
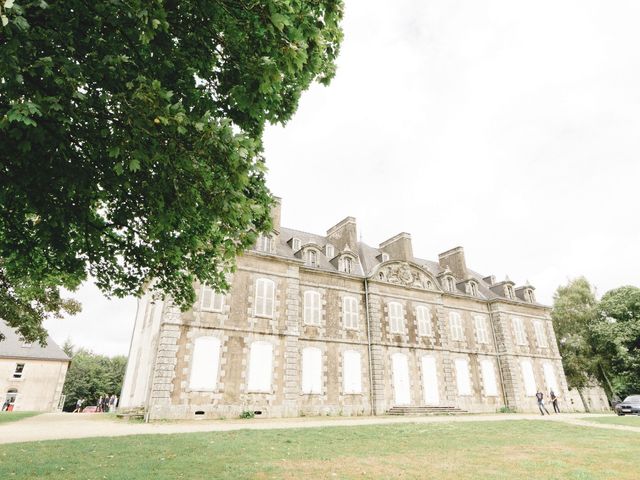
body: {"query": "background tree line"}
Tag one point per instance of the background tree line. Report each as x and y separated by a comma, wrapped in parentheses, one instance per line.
(599, 340)
(91, 375)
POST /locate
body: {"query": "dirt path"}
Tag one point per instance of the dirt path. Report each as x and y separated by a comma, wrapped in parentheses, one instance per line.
(54, 426)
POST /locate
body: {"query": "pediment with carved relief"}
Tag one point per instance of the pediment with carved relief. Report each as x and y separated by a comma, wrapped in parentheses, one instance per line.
(405, 274)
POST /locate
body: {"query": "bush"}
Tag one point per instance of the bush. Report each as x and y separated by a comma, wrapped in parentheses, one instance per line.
(247, 414)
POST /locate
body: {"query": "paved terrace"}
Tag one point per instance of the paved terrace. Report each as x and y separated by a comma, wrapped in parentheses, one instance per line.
(56, 426)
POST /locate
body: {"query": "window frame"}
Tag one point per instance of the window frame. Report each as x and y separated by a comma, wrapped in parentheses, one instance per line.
(519, 332)
(481, 320)
(313, 385)
(212, 307)
(423, 320)
(312, 306)
(541, 335)
(350, 320)
(251, 379)
(328, 247)
(195, 384)
(463, 381)
(456, 326)
(357, 377)
(18, 371)
(265, 298)
(396, 318)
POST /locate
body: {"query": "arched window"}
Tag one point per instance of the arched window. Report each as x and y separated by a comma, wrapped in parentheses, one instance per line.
(473, 289)
(312, 258)
(265, 290)
(350, 312)
(311, 307)
(347, 264)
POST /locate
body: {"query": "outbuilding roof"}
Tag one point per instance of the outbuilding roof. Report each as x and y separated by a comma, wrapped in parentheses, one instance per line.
(14, 347)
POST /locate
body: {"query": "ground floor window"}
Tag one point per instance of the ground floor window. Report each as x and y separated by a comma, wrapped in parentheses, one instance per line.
(351, 372)
(489, 378)
(260, 367)
(205, 363)
(430, 381)
(10, 400)
(311, 370)
(463, 380)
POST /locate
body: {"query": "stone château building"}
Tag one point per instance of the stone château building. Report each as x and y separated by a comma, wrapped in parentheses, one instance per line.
(324, 324)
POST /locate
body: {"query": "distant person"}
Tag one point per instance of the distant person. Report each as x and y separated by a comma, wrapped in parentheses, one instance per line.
(100, 402)
(5, 406)
(554, 401)
(79, 403)
(540, 397)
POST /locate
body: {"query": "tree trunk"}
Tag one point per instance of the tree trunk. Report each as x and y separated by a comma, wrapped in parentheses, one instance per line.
(584, 402)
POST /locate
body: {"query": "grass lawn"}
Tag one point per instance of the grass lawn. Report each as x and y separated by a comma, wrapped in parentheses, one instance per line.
(630, 420)
(6, 417)
(482, 450)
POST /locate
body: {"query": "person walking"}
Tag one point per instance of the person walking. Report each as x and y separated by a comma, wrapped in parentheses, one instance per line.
(554, 401)
(540, 397)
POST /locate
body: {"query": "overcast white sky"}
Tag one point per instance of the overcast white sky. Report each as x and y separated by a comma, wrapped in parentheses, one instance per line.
(510, 128)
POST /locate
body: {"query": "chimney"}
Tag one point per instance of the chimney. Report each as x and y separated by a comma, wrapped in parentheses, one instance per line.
(399, 247)
(454, 259)
(344, 234)
(275, 214)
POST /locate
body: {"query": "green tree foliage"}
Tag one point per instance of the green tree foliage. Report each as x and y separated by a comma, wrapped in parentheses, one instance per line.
(131, 139)
(91, 376)
(616, 338)
(574, 309)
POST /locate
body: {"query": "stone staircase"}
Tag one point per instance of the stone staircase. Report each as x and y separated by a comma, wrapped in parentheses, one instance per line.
(416, 410)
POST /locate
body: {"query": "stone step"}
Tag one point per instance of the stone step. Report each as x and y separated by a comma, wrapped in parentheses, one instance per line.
(425, 410)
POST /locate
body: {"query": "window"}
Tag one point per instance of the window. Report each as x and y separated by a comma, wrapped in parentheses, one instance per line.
(430, 381)
(449, 284)
(346, 264)
(401, 381)
(19, 371)
(204, 364)
(384, 257)
(264, 297)
(311, 257)
(510, 294)
(311, 370)
(489, 378)
(518, 330)
(260, 367)
(423, 316)
(541, 338)
(350, 312)
(211, 301)
(457, 330)
(295, 244)
(550, 377)
(11, 397)
(329, 251)
(528, 378)
(351, 372)
(482, 334)
(311, 308)
(463, 380)
(25, 343)
(264, 243)
(473, 289)
(530, 297)
(396, 317)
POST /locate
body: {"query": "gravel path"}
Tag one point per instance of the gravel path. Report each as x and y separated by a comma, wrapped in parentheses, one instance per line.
(55, 426)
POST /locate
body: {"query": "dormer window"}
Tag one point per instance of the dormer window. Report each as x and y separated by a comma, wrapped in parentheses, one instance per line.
(449, 284)
(329, 251)
(265, 243)
(472, 289)
(346, 265)
(311, 258)
(384, 257)
(295, 244)
(509, 292)
(529, 296)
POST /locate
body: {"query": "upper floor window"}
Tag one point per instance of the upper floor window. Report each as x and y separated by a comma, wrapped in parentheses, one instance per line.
(329, 251)
(423, 316)
(211, 300)
(510, 294)
(295, 244)
(311, 258)
(265, 243)
(541, 338)
(482, 333)
(529, 296)
(473, 289)
(449, 284)
(384, 257)
(346, 264)
(311, 307)
(265, 290)
(457, 330)
(19, 371)
(396, 317)
(350, 312)
(518, 330)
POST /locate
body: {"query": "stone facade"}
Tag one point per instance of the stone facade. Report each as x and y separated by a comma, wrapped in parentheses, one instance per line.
(342, 328)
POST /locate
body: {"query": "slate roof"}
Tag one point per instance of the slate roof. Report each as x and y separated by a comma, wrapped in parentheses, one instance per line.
(12, 347)
(368, 261)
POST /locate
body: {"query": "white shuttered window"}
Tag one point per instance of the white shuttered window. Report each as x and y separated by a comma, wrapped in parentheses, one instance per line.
(489, 378)
(260, 367)
(482, 333)
(463, 379)
(518, 330)
(265, 290)
(528, 378)
(350, 312)
(311, 370)
(311, 307)
(396, 317)
(541, 337)
(457, 331)
(210, 300)
(351, 372)
(424, 321)
(204, 364)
